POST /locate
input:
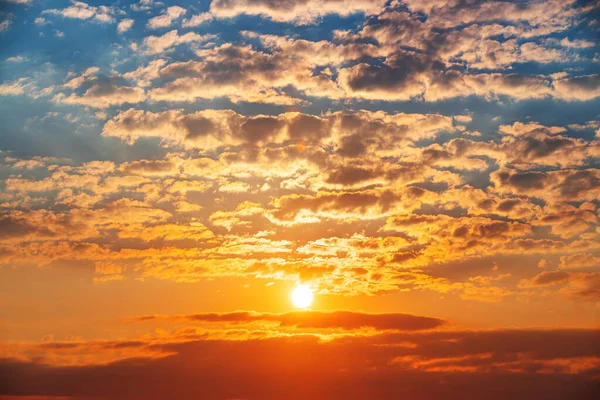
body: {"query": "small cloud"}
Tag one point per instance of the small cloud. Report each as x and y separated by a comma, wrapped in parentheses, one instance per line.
(4, 25)
(196, 20)
(146, 5)
(124, 25)
(166, 18)
(16, 59)
(41, 21)
(577, 44)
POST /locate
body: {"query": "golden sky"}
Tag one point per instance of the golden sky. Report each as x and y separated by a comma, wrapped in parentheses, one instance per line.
(291, 199)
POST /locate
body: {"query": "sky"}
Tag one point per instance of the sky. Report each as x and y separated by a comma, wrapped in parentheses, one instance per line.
(171, 172)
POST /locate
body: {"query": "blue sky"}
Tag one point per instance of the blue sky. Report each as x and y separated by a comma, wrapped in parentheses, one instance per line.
(57, 46)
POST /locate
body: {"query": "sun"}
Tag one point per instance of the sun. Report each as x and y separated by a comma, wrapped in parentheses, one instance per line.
(302, 296)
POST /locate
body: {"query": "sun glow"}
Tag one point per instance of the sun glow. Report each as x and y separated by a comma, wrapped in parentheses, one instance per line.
(302, 296)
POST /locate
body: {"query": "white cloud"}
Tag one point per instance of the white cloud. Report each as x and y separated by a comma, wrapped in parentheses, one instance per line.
(159, 44)
(14, 88)
(41, 21)
(125, 25)
(146, 5)
(297, 11)
(80, 10)
(196, 20)
(577, 44)
(16, 59)
(166, 18)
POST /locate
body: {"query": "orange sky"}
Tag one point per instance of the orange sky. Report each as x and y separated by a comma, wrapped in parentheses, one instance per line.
(170, 173)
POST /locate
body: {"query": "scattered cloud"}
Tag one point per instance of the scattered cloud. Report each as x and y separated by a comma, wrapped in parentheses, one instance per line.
(125, 25)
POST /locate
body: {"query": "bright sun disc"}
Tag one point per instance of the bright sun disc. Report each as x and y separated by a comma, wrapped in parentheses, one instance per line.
(302, 296)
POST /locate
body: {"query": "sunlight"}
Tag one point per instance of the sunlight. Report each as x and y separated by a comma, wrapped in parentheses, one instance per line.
(302, 296)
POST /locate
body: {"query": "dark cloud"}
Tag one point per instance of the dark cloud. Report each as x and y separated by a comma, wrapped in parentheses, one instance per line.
(519, 364)
(314, 319)
(578, 285)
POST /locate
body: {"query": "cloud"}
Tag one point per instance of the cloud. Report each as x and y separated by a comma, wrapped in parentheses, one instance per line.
(17, 59)
(577, 285)
(14, 88)
(196, 20)
(166, 18)
(585, 87)
(401, 78)
(297, 11)
(426, 73)
(149, 167)
(350, 134)
(4, 25)
(578, 261)
(143, 76)
(577, 43)
(105, 92)
(518, 363)
(236, 72)
(160, 44)
(312, 319)
(81, 10)
(568, 184)
(124, 25)
(392, 203)
(146, 5)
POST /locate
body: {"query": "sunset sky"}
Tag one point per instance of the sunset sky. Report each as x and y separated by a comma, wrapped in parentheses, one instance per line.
(428, 171)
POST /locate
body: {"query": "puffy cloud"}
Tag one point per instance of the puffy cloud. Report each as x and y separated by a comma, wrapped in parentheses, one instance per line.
(351, 134)
(196, 20)
(125, 25)
(99, 91)
(77, 224)
(426, 73)
(454, 12)
(239, 73)
(144, 75)
(583, 87)
(577, 43)
(578, 261)
(170, 125)
(568, 184)
(520, 128)
(149, 167)
(401, 78)
(146, 5)
(160, 44)
(81, 10)
(297, 11)
(166, 18)
(371, 203)
(578, 285)
(14, 88)
(87, 75)
(105, 93)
